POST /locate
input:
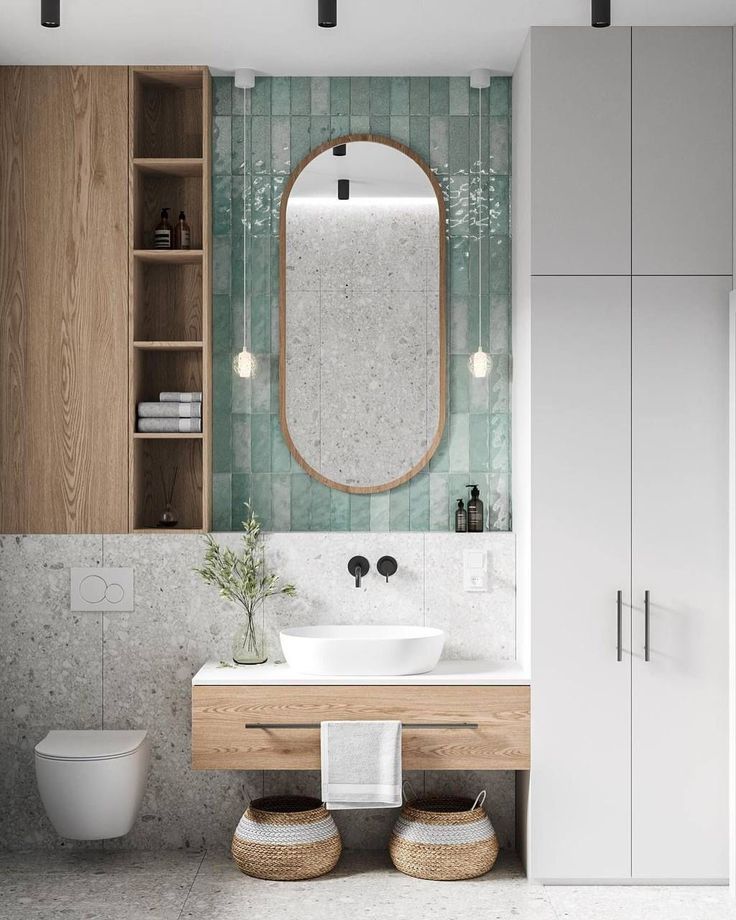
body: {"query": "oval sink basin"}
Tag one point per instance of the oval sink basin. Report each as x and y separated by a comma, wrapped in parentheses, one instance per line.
(380, 651)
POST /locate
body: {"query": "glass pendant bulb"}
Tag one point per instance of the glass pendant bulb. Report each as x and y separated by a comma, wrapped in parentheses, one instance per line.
(244, 364)
(479, 363)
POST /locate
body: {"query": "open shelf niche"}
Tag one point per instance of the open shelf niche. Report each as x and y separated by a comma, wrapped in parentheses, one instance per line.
(170, 317)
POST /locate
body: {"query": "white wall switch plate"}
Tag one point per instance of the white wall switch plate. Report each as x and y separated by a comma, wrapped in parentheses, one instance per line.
(102, 589)
(475, 570)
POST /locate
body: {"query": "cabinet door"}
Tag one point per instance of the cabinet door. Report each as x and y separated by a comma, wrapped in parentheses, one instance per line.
(679, 551)
(681, 151)
(64, 299)
(581, 151)
(580, 559)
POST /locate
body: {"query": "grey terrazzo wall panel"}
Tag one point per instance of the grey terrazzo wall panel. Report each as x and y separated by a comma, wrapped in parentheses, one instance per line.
(134, 670)
(258, 137)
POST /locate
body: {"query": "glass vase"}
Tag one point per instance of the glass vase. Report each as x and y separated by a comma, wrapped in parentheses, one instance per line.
(249, 645)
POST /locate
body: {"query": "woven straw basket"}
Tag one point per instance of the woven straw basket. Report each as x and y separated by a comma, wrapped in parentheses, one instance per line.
(286, 838)
(444, 839)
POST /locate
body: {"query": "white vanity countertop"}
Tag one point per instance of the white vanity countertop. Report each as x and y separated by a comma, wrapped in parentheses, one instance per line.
(447, 673)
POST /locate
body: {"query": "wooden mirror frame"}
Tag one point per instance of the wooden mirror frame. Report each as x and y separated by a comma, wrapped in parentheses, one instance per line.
(442, 414)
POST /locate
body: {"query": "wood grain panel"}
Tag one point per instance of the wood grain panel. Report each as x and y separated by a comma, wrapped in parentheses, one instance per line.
(220, 740)
(65, 412)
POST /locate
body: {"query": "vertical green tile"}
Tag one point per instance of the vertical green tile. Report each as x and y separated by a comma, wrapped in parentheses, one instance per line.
(400, 507)
(260, 97)
(438, 501)
(380, 512)
(280, 96)
(381, 125)
(320, 94)
(280, 144)
(360, 96)
(239, 443)
(319, 128)
(440, 461)
(280, 502)
(221, 205)
(479, 390)
(260, 263)
(221, 501)
(339, 95)
(459, 384)
(498, 205)
(221, 264)
(222, 458)
(339, 510)
(360, 512)
(301, 96)
(221, 324)
(419, 135)
(500, 95)
(300, 144)
(260, 398)
(261, 143)
(399, 96)
(260, 323)
(500, 444)
(459, 309)
(240, 495)
(459, 258)
(222, 88)
(439, 95)
(400, 128)
(280, 454)
(319, 504)
(241, 394)
(459, 149)
(480, 454)
(339, 125)
(236, 217)
(499, 384)
(459, 211)
(459, 442)
(260, 443)
(499, 264)
(300, 500)
(380, 103)
(419, 501)
(360, 124)
(260, 485)
(419, 95)
(459, 95)
(238, 101)
(221, 378)
(439, 143)
(221, 145)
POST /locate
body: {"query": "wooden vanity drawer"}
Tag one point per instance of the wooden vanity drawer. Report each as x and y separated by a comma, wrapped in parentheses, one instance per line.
(498, 740)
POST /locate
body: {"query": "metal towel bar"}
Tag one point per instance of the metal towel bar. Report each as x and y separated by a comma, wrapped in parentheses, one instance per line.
(412, 725)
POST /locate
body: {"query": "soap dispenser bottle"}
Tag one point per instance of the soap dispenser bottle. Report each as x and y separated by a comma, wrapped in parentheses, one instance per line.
(162, 235)
(475, 511)
(182, 233)
(461, 517)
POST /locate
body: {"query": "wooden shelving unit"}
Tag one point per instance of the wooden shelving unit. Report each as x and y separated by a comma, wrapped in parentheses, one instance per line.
(170, 301)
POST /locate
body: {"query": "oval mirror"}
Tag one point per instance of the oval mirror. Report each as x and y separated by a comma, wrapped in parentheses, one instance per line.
(362, 313)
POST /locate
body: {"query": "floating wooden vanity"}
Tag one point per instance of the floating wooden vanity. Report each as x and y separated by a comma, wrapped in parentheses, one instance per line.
(462, 716)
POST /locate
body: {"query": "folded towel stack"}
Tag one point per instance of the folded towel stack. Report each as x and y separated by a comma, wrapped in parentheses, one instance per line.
(361, 764)
(173, 412)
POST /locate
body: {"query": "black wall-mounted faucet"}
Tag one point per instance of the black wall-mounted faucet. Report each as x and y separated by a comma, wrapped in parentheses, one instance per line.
(358, 567)
(387, 566)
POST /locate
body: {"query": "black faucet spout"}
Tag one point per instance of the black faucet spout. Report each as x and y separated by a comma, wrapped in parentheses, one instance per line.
(358, 568)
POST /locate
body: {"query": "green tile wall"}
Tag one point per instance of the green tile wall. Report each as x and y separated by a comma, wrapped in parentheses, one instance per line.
(258, 136)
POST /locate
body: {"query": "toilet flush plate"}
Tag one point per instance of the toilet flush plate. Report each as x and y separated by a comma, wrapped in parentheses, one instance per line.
(102, 589)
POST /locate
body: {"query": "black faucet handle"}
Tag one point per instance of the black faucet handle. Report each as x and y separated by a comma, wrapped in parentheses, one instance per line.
(387, 566)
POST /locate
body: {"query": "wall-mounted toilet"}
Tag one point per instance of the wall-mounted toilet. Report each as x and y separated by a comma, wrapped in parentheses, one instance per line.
(92, 782)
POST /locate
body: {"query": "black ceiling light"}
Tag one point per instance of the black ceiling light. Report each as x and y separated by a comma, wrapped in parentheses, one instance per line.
(343, 189)
(601, 14)
(327, 14)
(339, 150)
(51, 13)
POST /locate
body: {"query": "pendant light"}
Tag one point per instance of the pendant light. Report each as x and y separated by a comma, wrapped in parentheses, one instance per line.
(327, 14)
(244, 363)
(600, 14)
(480, 361)
(51, 13)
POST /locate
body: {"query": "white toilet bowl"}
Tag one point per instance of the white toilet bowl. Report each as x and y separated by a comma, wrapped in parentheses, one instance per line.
(92, 782)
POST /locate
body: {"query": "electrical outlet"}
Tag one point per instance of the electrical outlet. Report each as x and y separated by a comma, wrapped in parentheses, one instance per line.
(475, 570)
(102, 589)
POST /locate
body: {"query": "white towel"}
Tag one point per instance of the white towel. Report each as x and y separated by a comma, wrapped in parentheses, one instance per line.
(361, 764)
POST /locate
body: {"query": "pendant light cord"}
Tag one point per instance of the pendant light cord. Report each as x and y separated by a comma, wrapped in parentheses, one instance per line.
(478, 213)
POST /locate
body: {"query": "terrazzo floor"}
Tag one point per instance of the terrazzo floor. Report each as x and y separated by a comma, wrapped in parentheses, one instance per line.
(177, 885)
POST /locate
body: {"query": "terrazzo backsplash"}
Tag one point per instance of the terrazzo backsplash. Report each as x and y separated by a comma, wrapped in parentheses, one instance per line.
(258, 137)
(133, 670)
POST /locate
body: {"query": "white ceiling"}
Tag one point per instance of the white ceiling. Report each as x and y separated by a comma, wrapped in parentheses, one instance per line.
(373, 37)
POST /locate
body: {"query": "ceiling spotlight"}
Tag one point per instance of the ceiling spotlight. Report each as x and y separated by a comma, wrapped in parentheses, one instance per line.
(327, 14)
(601, 14)
(339, 150)
(343, 189)
(51, 13)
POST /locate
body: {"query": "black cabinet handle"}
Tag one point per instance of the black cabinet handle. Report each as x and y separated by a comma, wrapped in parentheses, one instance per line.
(619, 624)
(646, 626)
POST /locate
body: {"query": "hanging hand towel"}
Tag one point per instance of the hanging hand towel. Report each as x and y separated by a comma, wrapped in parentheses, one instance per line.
(361, 764)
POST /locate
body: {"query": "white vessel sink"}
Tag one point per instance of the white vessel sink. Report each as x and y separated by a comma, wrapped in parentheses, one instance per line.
(362, 650)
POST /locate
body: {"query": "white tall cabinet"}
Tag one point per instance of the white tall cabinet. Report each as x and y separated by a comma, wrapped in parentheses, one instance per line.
(620, 421)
